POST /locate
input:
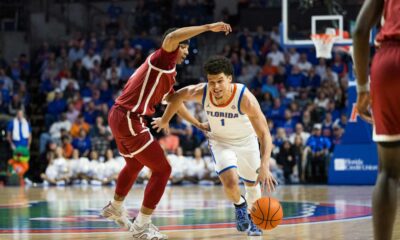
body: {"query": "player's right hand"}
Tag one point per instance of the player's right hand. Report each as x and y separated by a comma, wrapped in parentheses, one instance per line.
(205, 126)
(220, 27)
(363, 105)
(158, 124)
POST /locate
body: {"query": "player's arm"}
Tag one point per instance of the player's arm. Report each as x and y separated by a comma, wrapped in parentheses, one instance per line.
(175, 104)
(249, 106)
(367, 18)
(172, 40)
(184, 113)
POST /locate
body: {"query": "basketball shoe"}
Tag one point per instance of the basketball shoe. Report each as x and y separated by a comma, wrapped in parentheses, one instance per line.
(146, 232)
(254, 230)
(242, 218)
(119, 216)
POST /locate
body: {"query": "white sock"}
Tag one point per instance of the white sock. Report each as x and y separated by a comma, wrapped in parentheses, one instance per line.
(117, 204)
(252, 194)
(142, 219)
(241, 201)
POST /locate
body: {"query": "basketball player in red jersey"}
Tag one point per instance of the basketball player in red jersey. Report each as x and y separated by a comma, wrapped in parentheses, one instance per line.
(384, 101)
(148, 86)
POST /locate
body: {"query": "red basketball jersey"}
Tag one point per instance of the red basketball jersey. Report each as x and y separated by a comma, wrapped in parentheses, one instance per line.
(149, 85)
(391, 21)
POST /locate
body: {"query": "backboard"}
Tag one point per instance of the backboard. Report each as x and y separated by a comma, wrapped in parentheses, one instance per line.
(303, 18)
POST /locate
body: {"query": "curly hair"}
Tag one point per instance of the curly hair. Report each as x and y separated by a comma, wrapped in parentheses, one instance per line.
(218, 64)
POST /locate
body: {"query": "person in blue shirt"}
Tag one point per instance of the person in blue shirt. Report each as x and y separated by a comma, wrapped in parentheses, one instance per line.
(317, 154)
(19, 132)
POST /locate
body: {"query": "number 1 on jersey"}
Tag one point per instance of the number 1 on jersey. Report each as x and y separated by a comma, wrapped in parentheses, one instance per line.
(223, 122)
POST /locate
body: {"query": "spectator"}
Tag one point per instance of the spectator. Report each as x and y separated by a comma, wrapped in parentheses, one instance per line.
(15, 105)
(299, 132)
(276, 55)
(268, 68)
(79, 125)
(55, 128)
(294, 56)
(304, 65)
(7, 81)
(67, 147)
(317, 157)
(184, 132)
(90, 58)
(82, 143)
(320, 69)
(285, 159)
(19, 132)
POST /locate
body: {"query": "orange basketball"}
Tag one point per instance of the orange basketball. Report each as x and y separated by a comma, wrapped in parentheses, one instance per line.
(266, 213)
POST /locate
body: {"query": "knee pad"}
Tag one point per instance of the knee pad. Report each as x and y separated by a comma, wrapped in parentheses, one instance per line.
(252, 194)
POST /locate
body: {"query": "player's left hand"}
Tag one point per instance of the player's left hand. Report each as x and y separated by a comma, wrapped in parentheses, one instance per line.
(220, 27)
(159, 125)
(363, 105)
(266, 178)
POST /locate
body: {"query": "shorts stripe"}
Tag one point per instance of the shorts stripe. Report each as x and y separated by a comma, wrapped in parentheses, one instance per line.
(246, 180)
(131, 155)
(226, 169)
(130, 124)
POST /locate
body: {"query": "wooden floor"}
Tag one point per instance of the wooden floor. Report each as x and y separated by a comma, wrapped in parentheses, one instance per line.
(191, 212)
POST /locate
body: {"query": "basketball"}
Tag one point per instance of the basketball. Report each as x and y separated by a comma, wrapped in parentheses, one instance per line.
(266, 213)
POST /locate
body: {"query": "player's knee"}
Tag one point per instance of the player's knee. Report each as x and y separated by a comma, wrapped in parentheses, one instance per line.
(163, 169)
(230, 183)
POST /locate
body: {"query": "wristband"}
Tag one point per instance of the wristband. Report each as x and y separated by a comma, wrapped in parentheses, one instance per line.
(362, 88)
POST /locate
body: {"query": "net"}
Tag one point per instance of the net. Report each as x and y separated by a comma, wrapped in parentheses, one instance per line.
(323, 44)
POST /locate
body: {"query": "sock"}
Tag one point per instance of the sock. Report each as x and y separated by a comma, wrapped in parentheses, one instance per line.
(241, 202)
(252, 194)
(117, 204)
(142, 219)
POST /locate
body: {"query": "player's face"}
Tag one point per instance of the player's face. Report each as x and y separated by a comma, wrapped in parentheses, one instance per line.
(183, 52)
(219, 84)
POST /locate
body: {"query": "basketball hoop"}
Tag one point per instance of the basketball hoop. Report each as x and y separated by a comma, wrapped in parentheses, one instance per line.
(323, 44)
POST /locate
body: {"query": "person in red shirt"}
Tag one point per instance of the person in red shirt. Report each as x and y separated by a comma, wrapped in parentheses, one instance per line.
(382, 95)
(149, 85)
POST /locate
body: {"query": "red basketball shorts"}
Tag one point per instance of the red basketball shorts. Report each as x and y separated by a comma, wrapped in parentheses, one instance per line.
(130, 131)
(385, 92)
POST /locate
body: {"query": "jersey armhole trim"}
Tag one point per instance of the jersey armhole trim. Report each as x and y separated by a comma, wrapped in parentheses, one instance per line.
(240, 98)
(204, 94)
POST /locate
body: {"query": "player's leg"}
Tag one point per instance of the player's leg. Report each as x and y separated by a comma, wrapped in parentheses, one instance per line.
(384, 201)
(248, 163)
(115, 209)
(385, 88)
(226, 166)
(230, 182)
(154, 158)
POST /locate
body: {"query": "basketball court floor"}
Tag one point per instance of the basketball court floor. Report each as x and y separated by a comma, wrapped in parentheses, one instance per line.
(190, 212)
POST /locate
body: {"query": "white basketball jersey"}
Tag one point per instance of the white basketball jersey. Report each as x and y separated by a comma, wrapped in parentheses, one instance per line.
(227, 122)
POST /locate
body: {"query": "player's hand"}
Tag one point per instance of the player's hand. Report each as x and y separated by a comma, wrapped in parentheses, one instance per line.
(159, 125)
(363, 105)
(220, 27)
(266, 179)
(205, 126)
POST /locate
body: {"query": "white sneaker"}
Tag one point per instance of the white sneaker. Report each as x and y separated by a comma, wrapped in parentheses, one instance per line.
(119, 216)
(146, 232)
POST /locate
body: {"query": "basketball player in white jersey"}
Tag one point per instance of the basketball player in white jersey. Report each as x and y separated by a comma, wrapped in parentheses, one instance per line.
(236, 121)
